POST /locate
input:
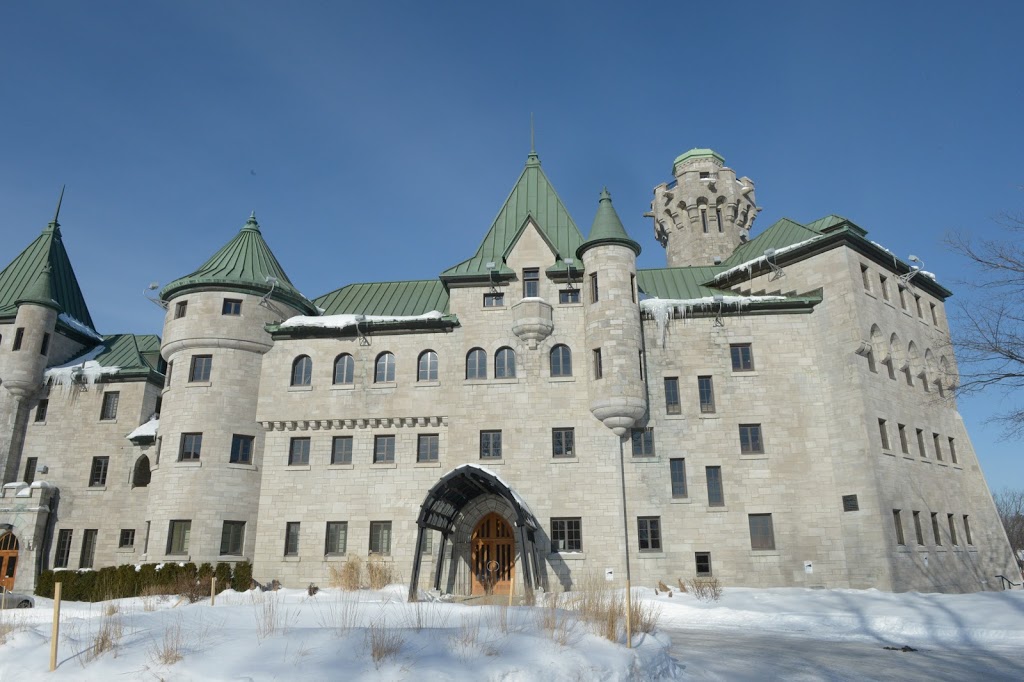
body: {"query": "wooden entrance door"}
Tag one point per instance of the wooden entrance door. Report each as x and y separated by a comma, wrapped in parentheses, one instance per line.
(8, 560)
(494, 555)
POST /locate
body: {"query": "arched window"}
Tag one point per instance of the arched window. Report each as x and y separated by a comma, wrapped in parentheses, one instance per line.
(427, 366)
(302, 371)
(504, 363)
(561, 361)
(476, 364)
(344, 369)
(140, 474)
(385, 371)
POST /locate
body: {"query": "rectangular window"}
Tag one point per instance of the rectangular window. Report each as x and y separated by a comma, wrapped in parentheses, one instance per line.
(200, 368)
(903, 297)
(706, 393)
(904, 446)
(41, 408)
(935, 317)
(427, 447)
(30, 470)
(291, 538)
(109, 408)
(918, 533)
(742, 357)
(298, 452)
(490, 445)
(703, 563)
(632, 288)
(566, 535)
(762, 532)
(920, 443)
(19, 338)
(167, 377)
(494, 300)
(890, 366)
(178, 533)
(341, 450)
(883, 431)
(704, 219)
(917, 302)
(884, 281)
(952, 529)
(594, 293)
(718, 219)
(569, 296)
(383, 449)
(98, 472)
(159, 446)
(145, 540)
(241, 449)
(127, 538)
(232, 306)
(935, 528)
(642, 441)
(865, 277)
(750, 439)
(336, 540)
(952, 450)
(191, 446)
(967, 530)
(649, 533)
(427, 543)
(232, 535)
(716, 493)
(598, 368)
(180, 308)
(937, 443)
(672, 404)
(908, 377)
(677, 473)
(563, 442)
(850, 503)
(899, 527)
(63, 553)
(380, 537)
(531, 283)
(88, 556)
(44, 347)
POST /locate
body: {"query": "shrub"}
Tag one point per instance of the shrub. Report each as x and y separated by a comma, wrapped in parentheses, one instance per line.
(349, 576)
(706, 589)
(379, 573)
(242, 580)
(44, 584)
(312, 590)
(206, 571)
(223, 574)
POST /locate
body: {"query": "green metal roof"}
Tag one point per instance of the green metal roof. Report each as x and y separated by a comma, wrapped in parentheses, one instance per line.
(245, 263)
(694, 153)
(19, 278)
(532, 197)
(681, 283)
(784, 232)
(128, 352)
(607, 228)
(386, 298)
(40, 293)
(822, 224)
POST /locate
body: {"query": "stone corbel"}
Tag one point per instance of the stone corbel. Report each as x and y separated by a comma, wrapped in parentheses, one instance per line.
(864, 349)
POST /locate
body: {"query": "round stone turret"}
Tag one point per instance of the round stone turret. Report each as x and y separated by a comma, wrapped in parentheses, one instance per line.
(705, 213)
(613, 335)
(34, 325)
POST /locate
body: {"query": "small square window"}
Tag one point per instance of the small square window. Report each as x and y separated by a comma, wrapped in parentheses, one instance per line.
(649, 533)
(427, 447)
(291, 538)
(566, 535)
(563, 442)
(850, 503)
(180, 308)
(298, 452)
(677, 474)
(126, 538)
(642, 441)
(703, 563)
(232, 536)
(232, 306)
(241, 449)
(109, 409)
(341, 450)
(336, 541)
(191, 446)
(383, 449)
(380, 537)
(672, 404)
(98, 472)
(490, 445)
(569, 296)
(742, 355)
(751, 442)
(762, 532)
(200, 368)
(494, 300)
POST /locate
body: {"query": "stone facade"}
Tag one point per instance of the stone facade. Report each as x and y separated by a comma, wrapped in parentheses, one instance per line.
(791, 429)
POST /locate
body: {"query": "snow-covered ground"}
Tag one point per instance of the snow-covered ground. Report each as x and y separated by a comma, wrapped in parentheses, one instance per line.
(289, 635)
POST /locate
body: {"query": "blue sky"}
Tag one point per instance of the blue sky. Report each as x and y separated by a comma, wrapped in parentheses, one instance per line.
(378, 140)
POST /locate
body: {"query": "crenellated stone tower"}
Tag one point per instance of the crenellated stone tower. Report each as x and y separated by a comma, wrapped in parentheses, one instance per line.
(210, 446)
(705, 213)
(613, 334)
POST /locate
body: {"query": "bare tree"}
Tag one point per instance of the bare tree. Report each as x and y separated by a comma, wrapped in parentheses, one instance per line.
(1010, 505)
(990, 338)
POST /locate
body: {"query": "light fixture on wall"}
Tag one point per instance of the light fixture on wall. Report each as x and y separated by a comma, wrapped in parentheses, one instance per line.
(153, 286)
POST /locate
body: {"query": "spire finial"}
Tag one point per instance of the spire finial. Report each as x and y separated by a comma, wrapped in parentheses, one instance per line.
(60, 199)
(251, 223)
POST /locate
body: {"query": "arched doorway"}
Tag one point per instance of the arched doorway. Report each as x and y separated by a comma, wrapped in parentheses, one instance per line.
(493, 555)
(8, 560)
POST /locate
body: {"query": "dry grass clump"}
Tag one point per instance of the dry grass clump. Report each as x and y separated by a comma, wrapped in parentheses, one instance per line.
(338, 615)
(168, 650)
(379, 573)
(383, 642)
(682, 584)
(10, 624)
(604, 609)
(108, 636)
(348, 576)
(643, 616)
(270, 616)
(706, 589)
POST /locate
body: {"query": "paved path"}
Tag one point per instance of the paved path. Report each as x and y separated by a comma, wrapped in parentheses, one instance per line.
(733, 655)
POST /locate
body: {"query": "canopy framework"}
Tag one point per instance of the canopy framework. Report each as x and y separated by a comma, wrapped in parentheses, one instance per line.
(441, 510)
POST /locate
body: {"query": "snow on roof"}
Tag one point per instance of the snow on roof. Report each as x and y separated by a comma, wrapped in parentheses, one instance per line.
(84, 368)
(147, 430)
(345, 321)
(662, 309)
(80, 327)
(748, 265)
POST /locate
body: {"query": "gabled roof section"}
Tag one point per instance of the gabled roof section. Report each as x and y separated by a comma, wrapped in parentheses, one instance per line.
(678, 283)
(245, 264)
(126, 352)
(21, 276)
(534, 197)
(823, 224)
(783, 233)
(416, 297)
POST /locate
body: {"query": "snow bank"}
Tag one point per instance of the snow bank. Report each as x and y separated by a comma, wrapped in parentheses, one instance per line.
(346, 321)
(662, 309)
(83, 369)
(147, 430)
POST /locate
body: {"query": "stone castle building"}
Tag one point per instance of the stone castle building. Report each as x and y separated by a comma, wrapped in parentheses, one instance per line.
(773, 410)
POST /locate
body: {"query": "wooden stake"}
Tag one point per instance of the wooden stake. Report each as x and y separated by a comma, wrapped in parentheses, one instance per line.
(56, 626)
(629, 615)
(213, 590)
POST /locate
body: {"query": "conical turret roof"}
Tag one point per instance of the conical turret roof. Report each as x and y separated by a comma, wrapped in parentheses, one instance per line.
(244, 264)
(607, 228)
(40, 292)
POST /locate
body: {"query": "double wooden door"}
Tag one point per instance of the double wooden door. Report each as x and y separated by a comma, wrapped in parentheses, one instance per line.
(8, 560)
(494, 555)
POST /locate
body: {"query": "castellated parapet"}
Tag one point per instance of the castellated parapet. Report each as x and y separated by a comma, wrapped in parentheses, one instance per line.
(705, 213)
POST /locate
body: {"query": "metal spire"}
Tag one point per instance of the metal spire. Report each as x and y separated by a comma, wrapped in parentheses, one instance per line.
(60, 199)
